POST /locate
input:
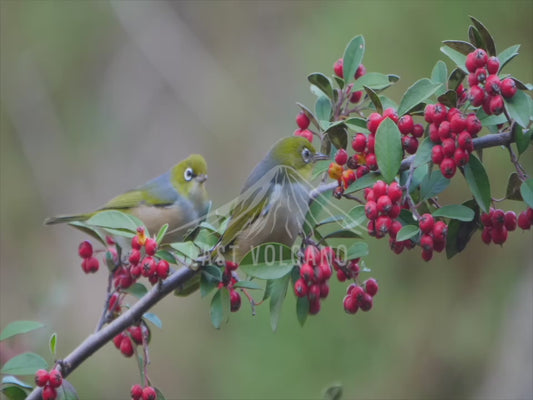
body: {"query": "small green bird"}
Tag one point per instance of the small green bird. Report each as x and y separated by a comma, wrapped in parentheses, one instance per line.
(177, 198)
(274, 200)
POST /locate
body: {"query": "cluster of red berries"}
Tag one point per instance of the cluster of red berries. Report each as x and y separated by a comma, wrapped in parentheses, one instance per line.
(433, 235)
(498, 223)
(452, 134)
(360, 297)
(135, 334)
(90, 264)
(146, 265)
(146, 393)
(49, 381)
(338, 69)
(302, 120)
(486, 88)
(382, 208)
(411, 132)
(228, 280)
(314, 275)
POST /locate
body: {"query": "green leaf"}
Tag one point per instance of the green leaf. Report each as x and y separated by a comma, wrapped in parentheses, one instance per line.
(154, 319)
(337, 135)
(320, 167)
(342, 234)
(13, 392)
(423, 155)
(433, 184)
(416, 94)
(18, 328)
(449, 98)
(458, 58)
(186, 249)
(353, 55)
(220, 307)
(490, 120)
(526, 190)
(322, 82)
(363, 182)
(24, 364)
(357, 250)
(333, 393)
(115, 221)
(52, 343)
(248, 285)
(455, 211)
(373, 80)
(356, 124)
(439, 74)
(460, 46)
(478, 181)
(387, 103)
(278, 292)
(268, 261)
(460, 232)
(513, 188)
(166, 255)
(162, 231)
(475, 37)
(137, 290)
(13, 380)
(388, 148)
(66, 391)
(357, 217)
(302, 309)
(508, 54)
(485, 35)
(330, 220)
(406, 218)
(407, 232)
(518, 108)
(159, 394)
(523, 139)
(374, 98)
(456, 78)
(323, 109)
(89, 230)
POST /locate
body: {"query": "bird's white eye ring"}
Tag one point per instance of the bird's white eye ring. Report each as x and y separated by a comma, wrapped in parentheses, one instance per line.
(188, 174)
(306, 155)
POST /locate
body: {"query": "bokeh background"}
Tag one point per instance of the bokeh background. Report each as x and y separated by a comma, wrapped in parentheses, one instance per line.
(97, 97)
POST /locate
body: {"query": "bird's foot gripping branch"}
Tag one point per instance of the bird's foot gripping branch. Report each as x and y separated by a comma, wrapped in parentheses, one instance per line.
(391, 159)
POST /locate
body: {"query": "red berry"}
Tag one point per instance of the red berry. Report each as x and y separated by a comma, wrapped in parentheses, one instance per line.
(324, 290)
(508, 88)
(395, 211)
(499, 235)
(486, 218)
(361, 70)
(348, 177)
(510, 220)
(470, 62)
(311, 255)
(305, 133)
(356, 96)
(341, 276)
(486, 235)
(371, 162)
(136, 334)
(149, 266)
(325, 271)
(458, 123)
(410, 144)
(149, 393)
(359, 142)
(135, 257)
(365, 302)
(85, 249)
(307, 272)
(90, 265)
(384, 204)
(232, 266)
(434, 133)
(327, 255)
(300, 288)
(492, 85)
(437, 154)
(438, 246)
(314, 292)
(341, 157)
(302, 120)
(48, 393)
(371, 286)
(383, 225)
(136, 242)
(373, 122)
(380, 189)
(476, 96)
(444, 130)
(338, 68)
(461, 157)
(427, 255)
(464, 141)
(452, 112)
(493, 65)
(396, 247)
(496, 105)
(406, 124)
(426, 242)
(235, 300)
(418, 130)
(497, 218)
(162, 269)
(55, 378)
(150, 246)
(395, 227)
(524, 221)
(440, 113)
(448, 147)
(448, 168)
(472, 79)
(440, 230)
(41, 377)
(136, 391)
(335, 171)
(429, 113)
(426, 223)
(117, 340)
(394, 191)
(350, 304)
(481, 75)
(314, 307)
(392, 114)
(126, 347)
(371, 142)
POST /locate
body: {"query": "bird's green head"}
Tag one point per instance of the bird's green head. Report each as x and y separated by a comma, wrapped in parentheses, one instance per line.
(190, 175)
(295, 152)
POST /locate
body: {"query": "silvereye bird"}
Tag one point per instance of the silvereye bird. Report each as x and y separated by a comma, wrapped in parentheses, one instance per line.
(274, 200)
(177, 198)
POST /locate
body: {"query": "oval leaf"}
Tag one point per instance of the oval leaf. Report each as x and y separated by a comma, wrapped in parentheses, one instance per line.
(513, 188)
(24, 364)
(518, 108)
(526, 190)
(407, 232)
(116, 220)
(353, 55)
(374, 98)
(322, 82)
(478, 181)
(373, 80)
(323, 109)
(508, 54)
(52, 343)
(455, 211)
(19, 327)
(358, 250)
(485, 36)
(302, 309)
(220, 307)
(458, 58)
(154, 319)
(433, 184)
(416, 94)
(137, 290)
(423, 154)
(460, 46)
(278, 291)
(456, 78)
(268, 261)
(388, 148)
(460, 232)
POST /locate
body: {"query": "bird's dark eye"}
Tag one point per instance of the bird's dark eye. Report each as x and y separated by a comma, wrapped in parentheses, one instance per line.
(306, 155)
(188, 174)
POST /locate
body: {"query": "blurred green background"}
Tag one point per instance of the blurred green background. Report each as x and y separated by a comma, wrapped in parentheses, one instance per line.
(97, 97)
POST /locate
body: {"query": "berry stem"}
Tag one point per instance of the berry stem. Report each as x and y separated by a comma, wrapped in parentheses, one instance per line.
(522, 174)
